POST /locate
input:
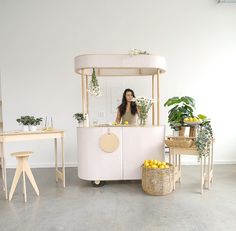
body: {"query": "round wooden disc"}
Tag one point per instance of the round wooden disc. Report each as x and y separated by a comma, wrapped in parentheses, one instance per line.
(109, 142)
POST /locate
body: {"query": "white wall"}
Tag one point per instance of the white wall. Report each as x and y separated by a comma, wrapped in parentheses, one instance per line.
(39, 39)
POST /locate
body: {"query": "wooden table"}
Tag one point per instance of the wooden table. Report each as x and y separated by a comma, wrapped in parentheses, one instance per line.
(37, 135)
(205, 161)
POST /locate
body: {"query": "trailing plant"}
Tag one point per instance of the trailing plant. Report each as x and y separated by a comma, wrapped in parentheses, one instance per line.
(94, 88)
(80, 117)
(182, 107)
(204, 137)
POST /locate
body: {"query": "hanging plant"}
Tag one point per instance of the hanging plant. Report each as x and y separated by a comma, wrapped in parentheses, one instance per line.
(94, 88)
(204, 137)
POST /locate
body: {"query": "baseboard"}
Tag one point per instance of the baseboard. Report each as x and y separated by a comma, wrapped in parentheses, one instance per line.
(215, 162)
(44, 165)
(74, 164)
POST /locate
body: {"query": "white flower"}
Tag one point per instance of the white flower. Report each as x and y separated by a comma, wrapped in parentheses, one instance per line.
(144, 104)
(137, 52)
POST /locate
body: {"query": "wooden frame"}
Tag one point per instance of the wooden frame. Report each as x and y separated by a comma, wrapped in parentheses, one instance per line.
(38, 135)
(121, 65)
(206, 163)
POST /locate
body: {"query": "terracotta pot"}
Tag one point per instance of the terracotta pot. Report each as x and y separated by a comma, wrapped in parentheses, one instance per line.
(181, 131)
(192, 132)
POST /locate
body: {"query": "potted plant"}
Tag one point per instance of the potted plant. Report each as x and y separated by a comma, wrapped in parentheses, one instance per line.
(80, 117)
(29, 122)
(181, 107)
(33, 122)
(24, 121)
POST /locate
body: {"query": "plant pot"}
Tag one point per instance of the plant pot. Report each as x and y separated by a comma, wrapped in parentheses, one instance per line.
(181, 131)
(25, 128)
(175, 133)
(193, 131)
(81, 124)
(33, 128)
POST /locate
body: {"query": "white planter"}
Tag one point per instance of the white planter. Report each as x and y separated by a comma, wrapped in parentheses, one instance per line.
(25, 128)
(175, 133)
(33, 128)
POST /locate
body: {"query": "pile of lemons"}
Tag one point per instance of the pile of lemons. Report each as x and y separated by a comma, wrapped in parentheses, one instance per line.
(117, 124)
(154, 164)
(192, 119)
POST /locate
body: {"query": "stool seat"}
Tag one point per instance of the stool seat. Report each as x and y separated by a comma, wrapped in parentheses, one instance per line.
(22, 154)
(24, 169)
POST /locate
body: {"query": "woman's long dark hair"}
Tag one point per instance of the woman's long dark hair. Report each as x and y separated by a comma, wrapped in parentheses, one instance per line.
(122, 107)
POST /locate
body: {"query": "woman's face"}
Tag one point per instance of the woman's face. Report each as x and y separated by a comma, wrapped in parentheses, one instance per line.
(129, 96)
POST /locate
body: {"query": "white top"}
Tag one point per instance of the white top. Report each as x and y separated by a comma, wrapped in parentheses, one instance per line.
(120, 65)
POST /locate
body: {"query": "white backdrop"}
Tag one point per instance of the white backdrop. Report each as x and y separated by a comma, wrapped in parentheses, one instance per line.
(39, 39)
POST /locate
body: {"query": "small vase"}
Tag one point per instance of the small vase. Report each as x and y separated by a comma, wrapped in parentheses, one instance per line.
(33, 128)
(142, 121)
(175, 133)
(81, 124)
(25, 128)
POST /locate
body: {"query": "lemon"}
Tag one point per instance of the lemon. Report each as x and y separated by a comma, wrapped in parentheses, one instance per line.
(159, 162)
(126, 122)
(155, 161)
(162, 166)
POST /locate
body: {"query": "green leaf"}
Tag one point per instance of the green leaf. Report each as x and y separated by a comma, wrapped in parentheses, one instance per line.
(188, 100)
(172, 101)
(201, 116)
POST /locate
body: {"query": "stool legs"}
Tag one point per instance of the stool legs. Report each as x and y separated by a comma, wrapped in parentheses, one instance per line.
(31, 177)
(23, 167)
(18, 172)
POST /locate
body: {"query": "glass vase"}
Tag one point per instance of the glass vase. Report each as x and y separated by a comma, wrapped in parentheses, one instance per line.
(142, 120)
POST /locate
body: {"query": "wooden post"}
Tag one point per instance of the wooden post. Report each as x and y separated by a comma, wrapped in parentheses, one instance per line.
(87, 96)
(82, 90)
(158, 97)
(153, 105)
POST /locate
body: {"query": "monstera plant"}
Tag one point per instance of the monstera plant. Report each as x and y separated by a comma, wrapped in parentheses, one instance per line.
(181, 107)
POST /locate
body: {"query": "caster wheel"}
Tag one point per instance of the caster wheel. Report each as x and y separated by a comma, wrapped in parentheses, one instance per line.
(98, 183)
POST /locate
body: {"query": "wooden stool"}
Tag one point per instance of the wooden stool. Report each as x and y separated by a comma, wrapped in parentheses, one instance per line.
(23, 167)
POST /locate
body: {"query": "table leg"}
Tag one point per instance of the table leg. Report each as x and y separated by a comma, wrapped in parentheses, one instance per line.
(63, 162)
(204, 172)
(171, 158)
(4, 172)
(212, 150)
(56, 161)
(179, 167)
(202, 179)
(209, 170)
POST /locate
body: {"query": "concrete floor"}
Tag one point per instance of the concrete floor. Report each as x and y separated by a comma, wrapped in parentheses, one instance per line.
(122, 205)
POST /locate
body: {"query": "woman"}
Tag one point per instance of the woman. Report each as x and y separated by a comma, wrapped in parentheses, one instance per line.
(127, 111)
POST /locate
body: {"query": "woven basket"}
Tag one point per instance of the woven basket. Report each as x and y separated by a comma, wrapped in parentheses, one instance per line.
(157, 182)
(179, 142)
